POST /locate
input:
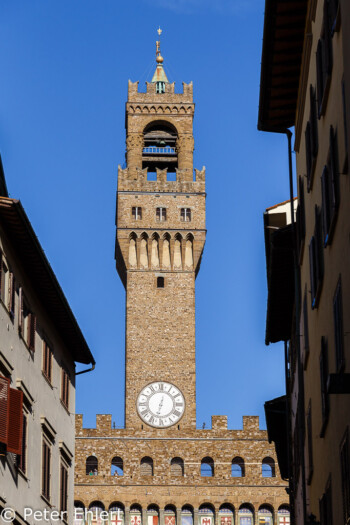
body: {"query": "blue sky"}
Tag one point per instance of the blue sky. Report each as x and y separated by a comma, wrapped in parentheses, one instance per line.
(64, 69)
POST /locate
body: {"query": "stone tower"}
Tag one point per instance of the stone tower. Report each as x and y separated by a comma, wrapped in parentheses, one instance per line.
(160, 240)
(160, 469)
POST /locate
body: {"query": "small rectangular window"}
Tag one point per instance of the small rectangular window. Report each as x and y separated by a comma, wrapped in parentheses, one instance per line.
(27, 323)
(22, 459)
(63, 487)
(65, 388)
(186, 214)
(47, 360)
(160, 282)
(46, 469)
(161, 214)
(137, 213)
(338, 327)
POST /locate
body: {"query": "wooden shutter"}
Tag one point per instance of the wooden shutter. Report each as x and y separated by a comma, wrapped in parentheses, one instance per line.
(312, 257)
(20, 310)
(319, 70)
(23, 458)
(4, 408)
(333, 164)
(313, 123)
(46, 470)
(63, 488)
(325, 204)
(15, 433)
(31, 331)
(308, 155)
(12, 295)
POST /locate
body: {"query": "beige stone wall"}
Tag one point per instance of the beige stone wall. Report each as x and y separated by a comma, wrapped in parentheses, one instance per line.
(192, 446)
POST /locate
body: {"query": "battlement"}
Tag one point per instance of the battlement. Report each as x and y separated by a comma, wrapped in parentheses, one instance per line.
(134, 95)
(135, 179)
(251, 430)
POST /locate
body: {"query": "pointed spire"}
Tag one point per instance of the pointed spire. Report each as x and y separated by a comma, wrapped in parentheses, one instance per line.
(159, 76)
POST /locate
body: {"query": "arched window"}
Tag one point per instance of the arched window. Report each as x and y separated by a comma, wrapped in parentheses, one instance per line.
(152, 515)
(226, 512)
(117, 468)
(187, 515)
(92, 466)
(207, 467)
(246, 514)
(135, 514)
(177, 467)
(169, 515)
(237, 467)
(159, 149)
(265, 515)
(206, 514)
(268, 468)
(146, 466)
(79, 512)
(116, 512)
(96, 507)
(283, 515)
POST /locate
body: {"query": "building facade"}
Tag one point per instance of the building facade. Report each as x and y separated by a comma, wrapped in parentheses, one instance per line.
(161, 468)
(40, 341)
(308, 43)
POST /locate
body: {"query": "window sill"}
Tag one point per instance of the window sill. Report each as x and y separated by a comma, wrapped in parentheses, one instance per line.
(65, 407)
(47, 380)
(11, 316)
(46, 500)
(22, 474)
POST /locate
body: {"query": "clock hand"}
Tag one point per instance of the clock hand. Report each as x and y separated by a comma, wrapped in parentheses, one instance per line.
(160, 406)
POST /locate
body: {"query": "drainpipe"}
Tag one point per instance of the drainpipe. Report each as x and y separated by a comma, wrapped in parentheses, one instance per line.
(87, 370)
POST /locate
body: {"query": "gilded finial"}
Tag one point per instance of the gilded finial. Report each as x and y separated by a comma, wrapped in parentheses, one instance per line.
(159, 58)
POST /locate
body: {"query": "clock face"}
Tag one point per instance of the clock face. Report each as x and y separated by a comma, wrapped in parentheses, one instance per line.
(160, 404)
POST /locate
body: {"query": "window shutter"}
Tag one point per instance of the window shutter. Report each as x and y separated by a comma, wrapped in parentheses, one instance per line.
(4, 408)
(31, 331)
(334, 170)
(312, 271)
(319, 68)
(1, 275)
(12, 293)
(325, 204)
(327, 44)
(313, 123)
(14, 443)
(20, 310)
(308, 155)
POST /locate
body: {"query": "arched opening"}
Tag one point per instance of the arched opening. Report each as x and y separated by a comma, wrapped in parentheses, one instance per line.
(144, 251)
(177, 251)
(189, 251)
(207, 467)
(268, 468)
(265, 515)
(246, 514)
(206, 513)
(135, 514)
(166, 252)
(132, 250)
(169, 515)
(116, 513)
(177, 467)
(152, 515)
(146, 466)
(159, 149)
(226, 512)
(96, 507)
(283, 515)
(79, 509)
(92, 466)
(155, 251)
(187, 515)
(237, 467)
(117, 467)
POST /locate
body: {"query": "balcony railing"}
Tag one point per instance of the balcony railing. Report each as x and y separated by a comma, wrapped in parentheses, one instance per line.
(154, 149)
